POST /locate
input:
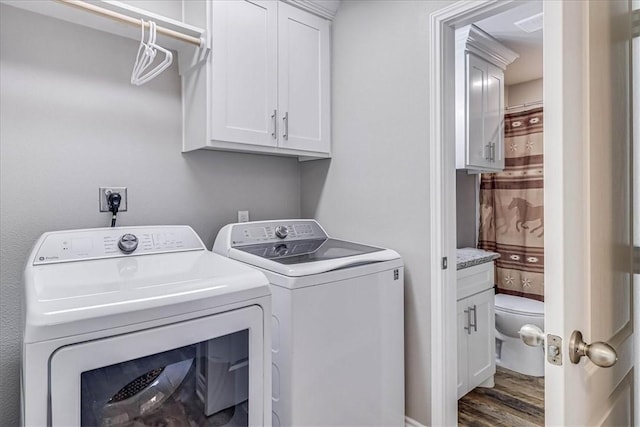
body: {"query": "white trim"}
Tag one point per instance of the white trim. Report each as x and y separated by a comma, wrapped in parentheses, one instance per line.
(443, 399)
(473, 39)
(410, 422)
(314, 7)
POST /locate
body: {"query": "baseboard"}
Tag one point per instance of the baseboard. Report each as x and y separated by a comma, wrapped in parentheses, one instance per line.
(410, 422)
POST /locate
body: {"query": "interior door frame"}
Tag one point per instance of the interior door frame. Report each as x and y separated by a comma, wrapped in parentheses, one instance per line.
(442, 191)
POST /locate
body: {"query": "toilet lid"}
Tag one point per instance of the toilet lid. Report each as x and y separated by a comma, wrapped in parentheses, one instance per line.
(521, 305)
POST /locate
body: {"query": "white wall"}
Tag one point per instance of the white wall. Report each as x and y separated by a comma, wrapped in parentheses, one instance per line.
(70, 122)
(375, 189)
(523, 93)
(467, 206)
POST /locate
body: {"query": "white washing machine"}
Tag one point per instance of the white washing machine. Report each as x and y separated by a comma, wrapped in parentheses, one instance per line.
(134, 326)
(338, 323)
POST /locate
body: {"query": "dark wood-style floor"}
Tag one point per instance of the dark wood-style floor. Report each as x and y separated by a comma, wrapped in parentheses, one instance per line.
(516, 400)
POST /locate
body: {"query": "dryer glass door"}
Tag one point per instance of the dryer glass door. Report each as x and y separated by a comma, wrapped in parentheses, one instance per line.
(190, 373)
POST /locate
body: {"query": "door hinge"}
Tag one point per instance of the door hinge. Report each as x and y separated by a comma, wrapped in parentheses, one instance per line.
(445, 263)
(554, 349)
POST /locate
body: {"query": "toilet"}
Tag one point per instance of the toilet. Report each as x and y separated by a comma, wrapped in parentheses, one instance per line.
(512, 313)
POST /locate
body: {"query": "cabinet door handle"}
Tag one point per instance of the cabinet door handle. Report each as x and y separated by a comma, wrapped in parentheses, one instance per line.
(475, 319)
(285, 121)
(488, 151)
(493, 151)
(274, 116)
(468, 327)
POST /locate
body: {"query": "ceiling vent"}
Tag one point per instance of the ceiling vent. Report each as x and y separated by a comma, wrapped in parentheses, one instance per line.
(531, 24)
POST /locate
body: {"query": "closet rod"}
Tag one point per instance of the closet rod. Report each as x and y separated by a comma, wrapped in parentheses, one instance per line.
(526, 104)
(133, 21)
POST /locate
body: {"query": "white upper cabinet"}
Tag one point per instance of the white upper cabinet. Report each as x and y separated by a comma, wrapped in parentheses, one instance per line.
(477, 154)
(479, 88)
(494, 114)
(244, 72)
(265, 87)
(303, 83)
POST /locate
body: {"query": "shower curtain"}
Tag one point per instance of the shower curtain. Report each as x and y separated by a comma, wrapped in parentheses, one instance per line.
(511, 208)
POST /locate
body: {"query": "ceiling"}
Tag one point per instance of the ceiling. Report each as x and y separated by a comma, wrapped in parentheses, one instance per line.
(528, 45)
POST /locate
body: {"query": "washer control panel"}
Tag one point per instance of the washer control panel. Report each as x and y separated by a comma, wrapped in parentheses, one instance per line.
(128, 243)
(78, 245)
(252, 233)
(282, 231)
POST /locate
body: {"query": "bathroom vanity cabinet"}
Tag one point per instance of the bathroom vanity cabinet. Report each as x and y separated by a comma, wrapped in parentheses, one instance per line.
(479, 87)
(476, 326)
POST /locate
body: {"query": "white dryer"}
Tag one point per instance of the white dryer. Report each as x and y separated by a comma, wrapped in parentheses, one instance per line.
(143, 326)
(338, 323)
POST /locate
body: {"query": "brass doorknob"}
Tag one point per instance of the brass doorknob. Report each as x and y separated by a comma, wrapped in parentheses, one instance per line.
(600, 353)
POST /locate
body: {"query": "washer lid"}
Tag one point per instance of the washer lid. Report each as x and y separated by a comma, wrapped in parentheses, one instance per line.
(304, 251)
(335, 255)
(519, 305)
(294, 247)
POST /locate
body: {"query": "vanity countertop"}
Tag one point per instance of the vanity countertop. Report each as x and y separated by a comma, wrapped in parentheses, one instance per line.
(468, 257)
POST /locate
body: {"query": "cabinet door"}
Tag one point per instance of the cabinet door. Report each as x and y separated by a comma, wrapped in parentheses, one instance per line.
(304, 71)
(481, 363)
(244, 69)
(463, 321)
(494, 115)
(476, 146)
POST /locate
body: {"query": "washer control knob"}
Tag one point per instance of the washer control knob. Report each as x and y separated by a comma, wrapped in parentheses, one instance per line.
(282, 231)
(128, 243)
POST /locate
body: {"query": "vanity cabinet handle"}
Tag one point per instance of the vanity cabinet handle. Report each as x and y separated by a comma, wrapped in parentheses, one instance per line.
(475, 318)
(468, 327)
(470, 324)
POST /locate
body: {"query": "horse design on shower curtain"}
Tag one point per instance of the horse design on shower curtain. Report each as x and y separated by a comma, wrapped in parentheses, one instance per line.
(526, 212)
(512, 208)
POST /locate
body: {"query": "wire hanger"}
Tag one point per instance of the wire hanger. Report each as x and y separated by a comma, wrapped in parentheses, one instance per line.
(146, 56)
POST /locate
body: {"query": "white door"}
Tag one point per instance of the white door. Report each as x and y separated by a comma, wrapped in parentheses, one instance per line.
(463, 346)
(588, 212)
(481, 346)
(477, 146)
(494, 116)
(80, 395)
(244, 73)
(304, 70)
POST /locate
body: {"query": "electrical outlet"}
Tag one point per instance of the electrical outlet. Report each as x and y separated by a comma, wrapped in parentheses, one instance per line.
(243, 216)
(103, 193)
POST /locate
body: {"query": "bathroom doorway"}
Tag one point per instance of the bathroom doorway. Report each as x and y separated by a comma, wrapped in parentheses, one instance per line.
(500, 214)
(587, 193)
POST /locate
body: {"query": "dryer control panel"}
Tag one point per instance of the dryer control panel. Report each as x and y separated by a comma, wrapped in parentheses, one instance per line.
(99, 243)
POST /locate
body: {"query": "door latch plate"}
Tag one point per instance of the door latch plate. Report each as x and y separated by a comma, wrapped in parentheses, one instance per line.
(554, 349)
